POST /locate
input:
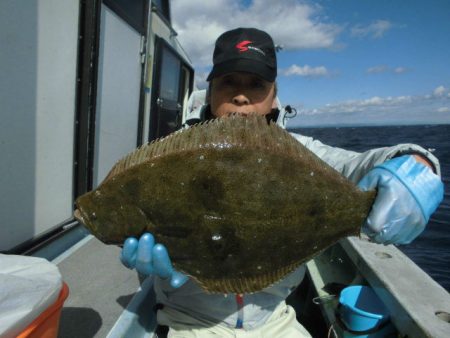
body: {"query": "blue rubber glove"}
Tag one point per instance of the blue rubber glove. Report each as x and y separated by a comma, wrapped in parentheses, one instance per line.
(408, 193)
(150, 259)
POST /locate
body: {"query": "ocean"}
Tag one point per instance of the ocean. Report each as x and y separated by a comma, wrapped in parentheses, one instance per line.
(431, 250)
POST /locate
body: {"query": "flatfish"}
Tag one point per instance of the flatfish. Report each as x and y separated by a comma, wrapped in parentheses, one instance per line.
(239, 203)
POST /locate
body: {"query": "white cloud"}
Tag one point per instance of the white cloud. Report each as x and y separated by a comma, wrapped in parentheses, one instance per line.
(292, 24)
(377, 69)
(374, 101)
(429, 108)
(439, 91)
(375, 30)
(366, 104)
(385, 69)
(400, 70)
(200, 80)
(306, 71)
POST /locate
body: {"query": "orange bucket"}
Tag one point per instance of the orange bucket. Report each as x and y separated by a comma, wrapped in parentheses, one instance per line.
(46, 325)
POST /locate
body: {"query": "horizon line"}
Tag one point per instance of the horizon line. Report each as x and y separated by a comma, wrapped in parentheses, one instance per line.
(357, 125)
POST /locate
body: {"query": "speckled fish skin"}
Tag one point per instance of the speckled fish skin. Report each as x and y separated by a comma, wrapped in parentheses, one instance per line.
(237, 202)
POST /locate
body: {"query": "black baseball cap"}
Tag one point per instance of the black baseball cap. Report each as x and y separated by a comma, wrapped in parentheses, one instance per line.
(245, 50)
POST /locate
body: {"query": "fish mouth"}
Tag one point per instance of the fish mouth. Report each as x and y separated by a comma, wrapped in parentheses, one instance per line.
(78, 216)
(81, 217)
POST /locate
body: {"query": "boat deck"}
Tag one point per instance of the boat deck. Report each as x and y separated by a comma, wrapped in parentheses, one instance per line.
(108, 300)
(100, 289)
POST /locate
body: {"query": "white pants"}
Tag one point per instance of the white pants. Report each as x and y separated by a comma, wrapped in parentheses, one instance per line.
(282, 323)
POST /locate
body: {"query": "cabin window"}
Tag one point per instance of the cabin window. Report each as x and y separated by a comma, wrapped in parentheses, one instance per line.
(170, 75)
(173, 83)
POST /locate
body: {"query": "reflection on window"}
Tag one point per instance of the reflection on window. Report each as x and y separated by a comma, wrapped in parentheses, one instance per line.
(162, 7)
(170, 74)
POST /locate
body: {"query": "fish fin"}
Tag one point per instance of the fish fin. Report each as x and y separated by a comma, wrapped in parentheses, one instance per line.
(251, 131)
(245, 285)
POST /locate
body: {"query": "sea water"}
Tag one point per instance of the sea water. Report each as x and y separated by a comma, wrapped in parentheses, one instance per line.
(431, 250)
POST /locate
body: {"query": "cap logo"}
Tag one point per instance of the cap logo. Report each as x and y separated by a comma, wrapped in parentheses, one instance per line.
(242, 46)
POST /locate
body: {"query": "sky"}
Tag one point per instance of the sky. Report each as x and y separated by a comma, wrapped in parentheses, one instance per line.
(343, 62)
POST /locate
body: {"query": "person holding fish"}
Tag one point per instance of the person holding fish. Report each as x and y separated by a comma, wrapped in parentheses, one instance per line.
(242, 81)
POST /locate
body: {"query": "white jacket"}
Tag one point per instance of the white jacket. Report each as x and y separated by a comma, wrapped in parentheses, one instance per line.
(192, 300)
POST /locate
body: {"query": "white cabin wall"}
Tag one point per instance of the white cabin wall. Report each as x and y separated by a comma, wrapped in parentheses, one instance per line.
(118, 90)
(38, 61)
(56, 85)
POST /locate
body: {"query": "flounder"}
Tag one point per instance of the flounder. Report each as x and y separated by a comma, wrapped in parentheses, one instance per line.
(237, 202)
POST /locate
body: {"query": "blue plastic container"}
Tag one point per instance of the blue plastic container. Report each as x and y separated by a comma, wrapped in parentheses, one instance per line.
(361, 309)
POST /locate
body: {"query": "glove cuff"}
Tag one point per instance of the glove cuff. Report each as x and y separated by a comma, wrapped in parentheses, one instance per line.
(425, 186)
